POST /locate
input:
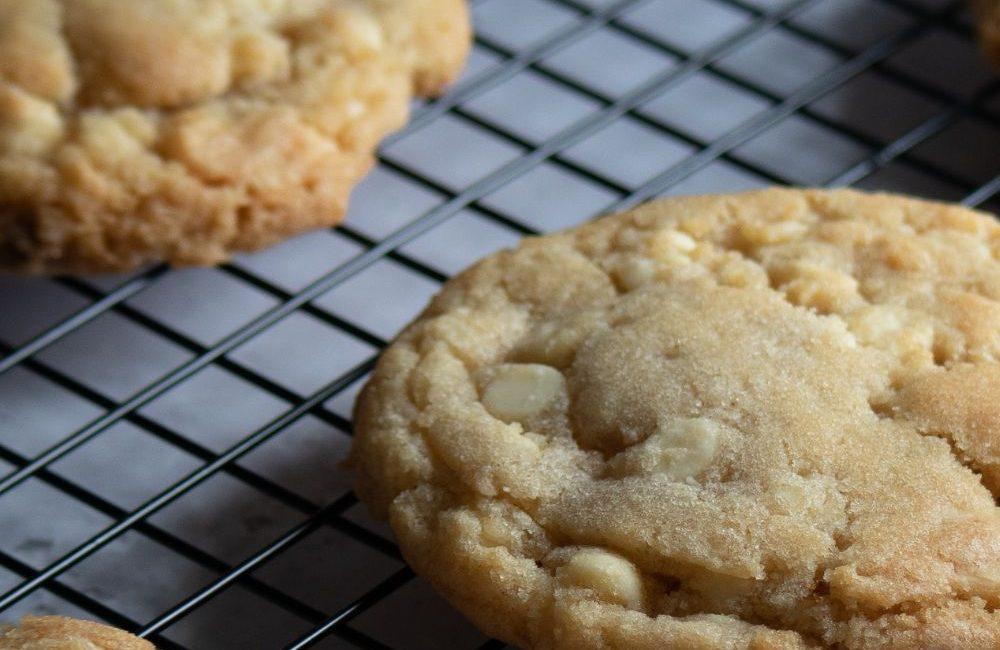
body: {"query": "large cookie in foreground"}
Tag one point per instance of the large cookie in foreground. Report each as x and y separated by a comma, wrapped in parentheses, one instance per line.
(60, 633)
(185, 130)
(763, 420)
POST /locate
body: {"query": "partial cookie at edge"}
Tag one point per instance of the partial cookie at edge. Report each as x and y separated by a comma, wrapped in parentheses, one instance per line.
(61, 633)
(988, 26)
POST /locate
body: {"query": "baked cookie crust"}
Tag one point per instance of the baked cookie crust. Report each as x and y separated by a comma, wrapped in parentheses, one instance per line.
(185, 130)
(762, 420)
(60, 633)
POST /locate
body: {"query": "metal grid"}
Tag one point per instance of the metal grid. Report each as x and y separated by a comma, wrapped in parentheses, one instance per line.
(167, 440)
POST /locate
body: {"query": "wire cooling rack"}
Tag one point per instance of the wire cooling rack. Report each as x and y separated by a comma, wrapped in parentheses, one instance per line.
(169, 441)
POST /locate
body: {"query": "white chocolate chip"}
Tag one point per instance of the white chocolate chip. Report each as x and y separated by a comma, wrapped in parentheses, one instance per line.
(520, 390)
(354, 109)
(674, 240)
(873, 322)
(362, 32)
(679, 449)
(612, 578)
(27, 125)
(892, 329)
(777, 232)
(634, 272)
(672, 247)
(686, 447)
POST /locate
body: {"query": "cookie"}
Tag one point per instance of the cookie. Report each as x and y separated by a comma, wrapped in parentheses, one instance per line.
(134, 131)
(59, 633)
(761, 420)
(988, 19)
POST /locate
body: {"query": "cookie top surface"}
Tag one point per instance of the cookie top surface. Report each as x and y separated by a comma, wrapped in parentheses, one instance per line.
(757, 420)
(60, 633)
(182, 130)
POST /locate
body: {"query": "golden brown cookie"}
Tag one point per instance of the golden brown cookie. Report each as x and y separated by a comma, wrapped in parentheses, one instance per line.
(60, 633)
(184, 130)
(762, 420)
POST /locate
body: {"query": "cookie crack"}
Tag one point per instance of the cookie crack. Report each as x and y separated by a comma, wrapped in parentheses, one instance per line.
(884, 410)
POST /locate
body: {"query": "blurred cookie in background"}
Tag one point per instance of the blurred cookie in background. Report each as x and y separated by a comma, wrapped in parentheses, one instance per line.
(141, 131)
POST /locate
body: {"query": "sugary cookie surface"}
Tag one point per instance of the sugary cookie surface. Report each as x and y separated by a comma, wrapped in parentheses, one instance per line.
(767, 420)
(60, 633)
(184, 130)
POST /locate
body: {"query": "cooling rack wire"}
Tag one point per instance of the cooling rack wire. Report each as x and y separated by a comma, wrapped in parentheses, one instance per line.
(168, 439)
